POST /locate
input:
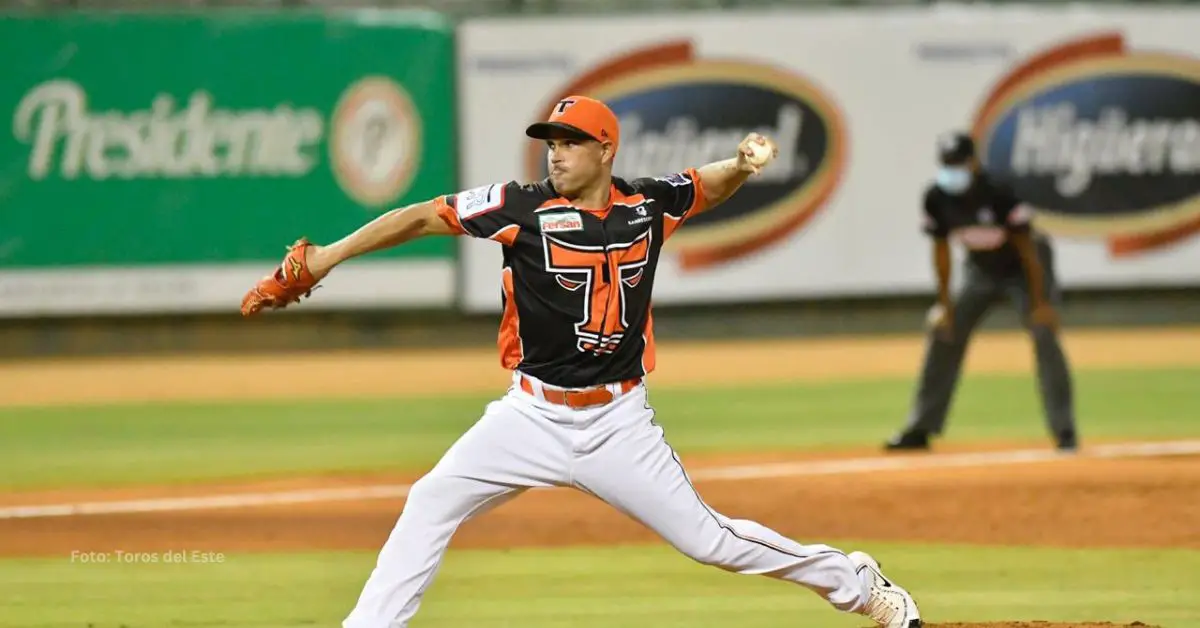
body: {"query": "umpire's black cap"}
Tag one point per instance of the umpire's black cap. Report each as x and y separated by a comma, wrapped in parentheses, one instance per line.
(955, 148)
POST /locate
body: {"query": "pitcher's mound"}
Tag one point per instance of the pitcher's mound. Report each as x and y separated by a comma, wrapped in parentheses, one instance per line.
(1041, 624)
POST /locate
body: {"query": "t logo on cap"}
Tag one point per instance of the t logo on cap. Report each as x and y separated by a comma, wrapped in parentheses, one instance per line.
(581, 117)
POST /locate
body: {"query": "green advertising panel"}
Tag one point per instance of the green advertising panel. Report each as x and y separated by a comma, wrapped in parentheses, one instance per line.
(141, 147)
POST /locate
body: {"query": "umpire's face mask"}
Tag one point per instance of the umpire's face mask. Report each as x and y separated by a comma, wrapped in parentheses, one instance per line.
(954, 179)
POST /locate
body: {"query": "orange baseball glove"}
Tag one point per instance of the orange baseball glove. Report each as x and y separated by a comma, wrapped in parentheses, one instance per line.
(291, 281)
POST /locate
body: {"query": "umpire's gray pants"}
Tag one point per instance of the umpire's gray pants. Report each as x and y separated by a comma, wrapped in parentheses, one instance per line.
(943, 358)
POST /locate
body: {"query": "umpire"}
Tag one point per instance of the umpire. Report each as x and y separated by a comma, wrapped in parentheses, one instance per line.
(1005, 256)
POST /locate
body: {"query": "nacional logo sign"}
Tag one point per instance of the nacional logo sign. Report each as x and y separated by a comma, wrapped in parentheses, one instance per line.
(678, 111)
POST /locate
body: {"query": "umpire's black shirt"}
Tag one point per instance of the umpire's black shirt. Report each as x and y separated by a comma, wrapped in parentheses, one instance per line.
(982, 219)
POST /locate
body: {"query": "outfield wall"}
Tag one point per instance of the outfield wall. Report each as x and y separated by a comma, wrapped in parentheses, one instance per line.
(151, 198)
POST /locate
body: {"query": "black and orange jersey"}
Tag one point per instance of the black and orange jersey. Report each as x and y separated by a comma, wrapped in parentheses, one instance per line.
(981, 220)
(577, 283)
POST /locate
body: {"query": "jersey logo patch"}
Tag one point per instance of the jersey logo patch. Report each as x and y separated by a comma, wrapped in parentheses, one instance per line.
(601, 274)
(560, 221)
(479, 200)
(677, 179)
(642, 216)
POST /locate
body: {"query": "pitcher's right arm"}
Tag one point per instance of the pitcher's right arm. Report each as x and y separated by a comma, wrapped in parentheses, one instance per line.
(471, 212)
(388, 230)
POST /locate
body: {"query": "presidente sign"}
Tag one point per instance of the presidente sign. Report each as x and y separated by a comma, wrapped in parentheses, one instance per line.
(179, 173)
(374, 148)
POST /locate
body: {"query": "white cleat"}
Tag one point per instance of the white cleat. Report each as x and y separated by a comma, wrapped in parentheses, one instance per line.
(889, 605)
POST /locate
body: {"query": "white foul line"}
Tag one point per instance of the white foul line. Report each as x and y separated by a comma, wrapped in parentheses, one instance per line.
(234, 500)
(973, 459)
(741, 472)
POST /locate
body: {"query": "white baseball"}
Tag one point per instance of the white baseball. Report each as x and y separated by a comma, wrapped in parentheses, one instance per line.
(760, 154)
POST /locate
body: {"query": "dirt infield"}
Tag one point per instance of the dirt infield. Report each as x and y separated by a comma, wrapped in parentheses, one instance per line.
(1067, 502)
(1151, 502)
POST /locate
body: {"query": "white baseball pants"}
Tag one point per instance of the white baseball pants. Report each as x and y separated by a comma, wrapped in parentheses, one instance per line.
(615, 452)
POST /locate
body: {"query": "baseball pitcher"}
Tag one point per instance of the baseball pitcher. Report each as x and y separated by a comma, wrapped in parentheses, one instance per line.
(580, 251)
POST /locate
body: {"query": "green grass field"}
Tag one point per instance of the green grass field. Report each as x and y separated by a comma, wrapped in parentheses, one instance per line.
(578, 588)
(600, 588)
(138, 444)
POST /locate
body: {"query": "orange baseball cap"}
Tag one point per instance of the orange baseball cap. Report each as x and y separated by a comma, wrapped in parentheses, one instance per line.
(582, 117)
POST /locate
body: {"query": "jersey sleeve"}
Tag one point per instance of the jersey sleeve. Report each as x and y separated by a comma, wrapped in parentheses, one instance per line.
(1017, 215)
(678, 196)
(932, 223)
(487, 211)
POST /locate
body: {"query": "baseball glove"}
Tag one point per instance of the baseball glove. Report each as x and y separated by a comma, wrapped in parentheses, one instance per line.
(288, 284)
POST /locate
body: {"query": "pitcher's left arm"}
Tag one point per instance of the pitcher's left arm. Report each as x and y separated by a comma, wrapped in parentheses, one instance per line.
(681, 195)
(721, 179)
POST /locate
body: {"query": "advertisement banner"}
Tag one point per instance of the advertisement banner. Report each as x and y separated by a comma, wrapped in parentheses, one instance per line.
(1092, 113)
(162, 163)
